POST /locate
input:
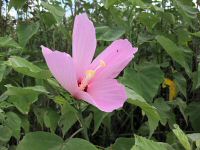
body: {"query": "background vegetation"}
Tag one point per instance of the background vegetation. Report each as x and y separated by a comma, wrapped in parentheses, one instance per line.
(163, 80)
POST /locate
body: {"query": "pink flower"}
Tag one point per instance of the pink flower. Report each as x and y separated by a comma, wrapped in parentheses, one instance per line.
(91, 81)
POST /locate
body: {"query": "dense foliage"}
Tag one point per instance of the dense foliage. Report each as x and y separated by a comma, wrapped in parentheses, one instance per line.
(162, 81)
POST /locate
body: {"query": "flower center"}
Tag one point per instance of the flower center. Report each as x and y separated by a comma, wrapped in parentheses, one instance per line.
(89, 74)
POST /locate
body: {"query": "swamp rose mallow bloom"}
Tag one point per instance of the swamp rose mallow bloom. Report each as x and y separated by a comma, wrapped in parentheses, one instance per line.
(91, 81)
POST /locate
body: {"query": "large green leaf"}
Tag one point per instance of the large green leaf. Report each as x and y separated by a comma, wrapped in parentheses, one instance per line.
(98, 118)
(39, 113)
(180, 83)
(149, 20)
(2, 116)
(197, 34)
(25, 124)
(186, 8)
(23, 66)
(195, 137)
(2, 71)
(109, 3)
(139, 3)
(12, 90)
(144, 81)
(192, 111)
(150, 111)
(6, 133)
(76, 143)
(198, 74)
(183, 36)
(178, 102)
(40, 141)
(22, 98)
(57, 11)
(51, 118)
(165, 112)
(105, 33)
(16, 4)
(49, 141)
(182, 137)
(68, 117)
(8, 42)
(14, 123)
(142, 143)
(3, 148)
(25, 31)
(144, 38)
(48, 19)
(123, 144)
(196, 78)
(174, 51)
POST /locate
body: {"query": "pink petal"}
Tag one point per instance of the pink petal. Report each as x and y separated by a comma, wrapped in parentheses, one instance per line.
(84, 43)
(62, 67)
(85, 96)
(116, 56)
(107, 95)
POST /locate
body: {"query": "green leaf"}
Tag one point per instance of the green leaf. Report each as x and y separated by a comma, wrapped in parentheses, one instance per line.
(12, 90)
(143, 38)
(68, 117)
(2, 71)
(150, 111)
(14, 123)
(186, 8)
(25, 31)
(192, 111)
(139, 3)
(25, 124)
(174, 51)
(6, 133)
(195, 137)
(180, 83)
(182, 137)
(3, 148)
(76, 143)
(105, 33)
(51, 118)
(57, 11)
(145, 80)
(98, 118)
(197, 34)
(16, 4)
(183, 36)
(8, 42)
(23, 102)
(169, 17)
(123, 144)
(39, 113)
(5, 104)
(2, 116)
(59, 100)
(181, 105)
(48, 19)
(142, 143)
(23, 66)
(49, 141)
(40, 141)
(196, 76)
(164, 110)
(149, 20)
(109, 3)
(22, 98)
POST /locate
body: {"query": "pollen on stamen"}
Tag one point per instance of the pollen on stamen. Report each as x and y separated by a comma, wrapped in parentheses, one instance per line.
(102, 63)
